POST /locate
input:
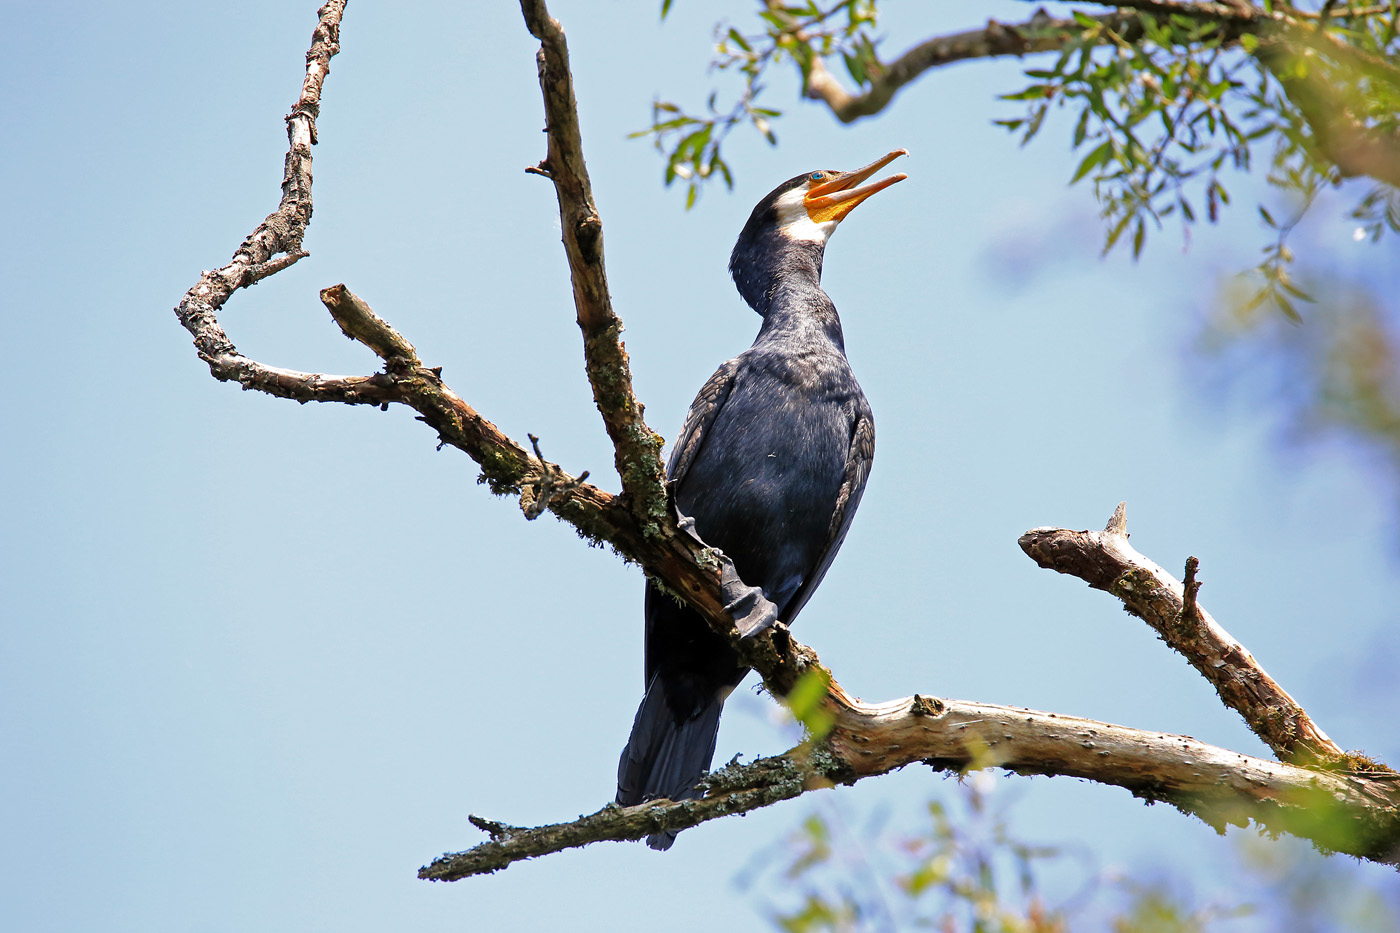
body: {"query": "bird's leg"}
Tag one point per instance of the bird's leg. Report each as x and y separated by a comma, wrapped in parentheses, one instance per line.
(751, 611)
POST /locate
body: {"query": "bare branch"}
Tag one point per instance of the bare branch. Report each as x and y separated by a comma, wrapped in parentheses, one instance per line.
(1041, 33)
(276, 244)
(1106, 561)
(1190, 612)
(505, 465)
(358, 321)
(637, 448)
(1350, 814)
(280, 233)
(735, 789)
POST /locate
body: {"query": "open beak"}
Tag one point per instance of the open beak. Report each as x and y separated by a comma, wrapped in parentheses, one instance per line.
(837, 196)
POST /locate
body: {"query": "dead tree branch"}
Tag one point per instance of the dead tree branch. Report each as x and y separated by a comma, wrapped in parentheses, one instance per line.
(731, 790)
(1345, 813)
(637, 448)
(274, 245)
(1106, 561)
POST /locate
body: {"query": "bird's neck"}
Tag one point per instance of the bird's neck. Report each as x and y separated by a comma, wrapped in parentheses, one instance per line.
(763, 264)
(799, 313)
(781, 279)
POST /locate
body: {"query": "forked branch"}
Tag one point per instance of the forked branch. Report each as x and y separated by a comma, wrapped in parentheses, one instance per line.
(1106, 561)
(1351, 813)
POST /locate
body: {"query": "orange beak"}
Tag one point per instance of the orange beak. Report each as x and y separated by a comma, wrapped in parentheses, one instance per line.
(837, 196)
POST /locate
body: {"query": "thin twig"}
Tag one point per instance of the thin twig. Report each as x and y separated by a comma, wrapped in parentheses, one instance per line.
(1190, 612)
(536, 496)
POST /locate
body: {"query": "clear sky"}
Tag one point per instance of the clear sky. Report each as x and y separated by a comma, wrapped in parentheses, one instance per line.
(260, 660)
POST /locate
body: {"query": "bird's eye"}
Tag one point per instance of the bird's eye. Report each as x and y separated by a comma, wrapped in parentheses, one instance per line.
(818, 176)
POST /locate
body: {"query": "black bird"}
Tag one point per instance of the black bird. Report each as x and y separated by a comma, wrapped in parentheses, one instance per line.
(771, 464)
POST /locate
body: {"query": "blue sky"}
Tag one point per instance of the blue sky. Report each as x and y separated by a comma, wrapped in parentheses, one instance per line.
(262, 659)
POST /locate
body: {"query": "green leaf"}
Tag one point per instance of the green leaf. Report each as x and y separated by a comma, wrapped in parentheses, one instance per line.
(1081, 128)
(1116, 232)
(1294, 290)
(665, 8)
(1033, 126)
(1268, 218)
(856, 68)
(761, 124)
(1034, 92)
(719, 165)
(1100, 154)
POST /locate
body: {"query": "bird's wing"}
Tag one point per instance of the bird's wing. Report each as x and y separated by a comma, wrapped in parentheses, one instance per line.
(708, 401)
(858, 459)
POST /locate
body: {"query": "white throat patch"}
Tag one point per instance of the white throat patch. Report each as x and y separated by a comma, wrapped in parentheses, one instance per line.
(794, 223)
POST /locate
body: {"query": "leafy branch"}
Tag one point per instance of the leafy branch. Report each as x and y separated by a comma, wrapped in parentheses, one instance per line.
(802, 33)
(1169, 100)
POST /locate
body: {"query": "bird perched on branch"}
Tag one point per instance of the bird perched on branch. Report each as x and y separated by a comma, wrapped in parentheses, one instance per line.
(770, 464)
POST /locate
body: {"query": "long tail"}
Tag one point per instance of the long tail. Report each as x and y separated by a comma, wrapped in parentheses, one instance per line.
(665, 756)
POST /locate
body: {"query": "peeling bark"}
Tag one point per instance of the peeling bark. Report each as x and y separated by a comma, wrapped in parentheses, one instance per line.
(1344, 813)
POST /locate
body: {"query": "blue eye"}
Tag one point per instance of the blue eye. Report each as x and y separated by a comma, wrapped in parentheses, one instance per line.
(818, 176)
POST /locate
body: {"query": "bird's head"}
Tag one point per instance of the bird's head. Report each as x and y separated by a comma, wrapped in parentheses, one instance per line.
(802, 212)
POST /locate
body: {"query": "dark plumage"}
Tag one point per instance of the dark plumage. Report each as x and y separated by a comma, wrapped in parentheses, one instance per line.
(770, 464)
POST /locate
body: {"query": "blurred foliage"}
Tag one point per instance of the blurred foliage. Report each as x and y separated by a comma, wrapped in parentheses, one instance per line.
(1307, 893)
(1166, 109)
(966, 871)
(806, 701)
(1338, 378)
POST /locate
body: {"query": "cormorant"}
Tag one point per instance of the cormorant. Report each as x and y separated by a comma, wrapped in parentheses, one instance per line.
(770, 464)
